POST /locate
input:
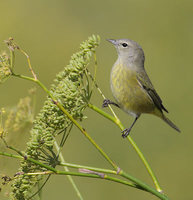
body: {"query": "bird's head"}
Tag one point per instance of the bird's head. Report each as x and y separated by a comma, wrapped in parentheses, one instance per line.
(128, 50)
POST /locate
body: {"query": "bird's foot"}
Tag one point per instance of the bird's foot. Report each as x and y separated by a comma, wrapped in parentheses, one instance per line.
(125, 132)
(106, 102)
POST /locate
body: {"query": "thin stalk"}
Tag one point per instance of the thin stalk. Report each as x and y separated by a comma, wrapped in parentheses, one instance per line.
(66, 169)
(29, 62)
(145, 186)
(12, 59)
(11, 155)
(143, 159)
(97, 87)
(108, 171)
(105, 177)
(134, 145)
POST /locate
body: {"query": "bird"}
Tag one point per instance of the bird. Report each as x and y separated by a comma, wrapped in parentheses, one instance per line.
(131, 87)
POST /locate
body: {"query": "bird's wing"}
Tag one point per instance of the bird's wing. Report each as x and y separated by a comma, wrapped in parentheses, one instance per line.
(146, 84)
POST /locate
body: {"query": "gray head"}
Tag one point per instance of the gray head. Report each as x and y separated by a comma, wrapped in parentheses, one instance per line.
(129, 51)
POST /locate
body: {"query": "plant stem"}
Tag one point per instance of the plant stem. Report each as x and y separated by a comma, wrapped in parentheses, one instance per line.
(140, 185)
(134, 145)
(88, 167)
(145, 186)
(66, 169)
(55, 171)
(121, 173)
(89, 175)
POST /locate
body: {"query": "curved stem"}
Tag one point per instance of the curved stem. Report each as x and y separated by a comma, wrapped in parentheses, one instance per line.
(145, 186)
(147, 165)
(134, 145)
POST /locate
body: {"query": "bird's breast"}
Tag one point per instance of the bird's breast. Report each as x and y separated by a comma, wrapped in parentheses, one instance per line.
(127, 91)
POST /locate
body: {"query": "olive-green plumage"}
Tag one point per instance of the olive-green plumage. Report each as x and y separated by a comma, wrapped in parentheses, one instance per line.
(130, 84)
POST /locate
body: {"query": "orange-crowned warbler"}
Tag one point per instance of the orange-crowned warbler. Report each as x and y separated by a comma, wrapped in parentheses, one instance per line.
(131, 86)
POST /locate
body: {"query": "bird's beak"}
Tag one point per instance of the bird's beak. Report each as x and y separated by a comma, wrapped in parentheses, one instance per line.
(112, 41)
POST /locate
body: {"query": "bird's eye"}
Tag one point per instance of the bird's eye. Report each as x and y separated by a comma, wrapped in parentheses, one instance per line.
(124, 44)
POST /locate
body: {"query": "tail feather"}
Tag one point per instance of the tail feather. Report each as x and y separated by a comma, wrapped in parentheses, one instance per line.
(170, 123)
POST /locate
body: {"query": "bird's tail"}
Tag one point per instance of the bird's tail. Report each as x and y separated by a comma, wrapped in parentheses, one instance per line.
(170, 123)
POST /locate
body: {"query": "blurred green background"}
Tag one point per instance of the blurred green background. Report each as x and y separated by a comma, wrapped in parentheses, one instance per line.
(50, 31)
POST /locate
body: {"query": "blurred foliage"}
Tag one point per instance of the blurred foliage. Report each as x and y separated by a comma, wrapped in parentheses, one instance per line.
(18, 117)
(5, 71)
(52, 30)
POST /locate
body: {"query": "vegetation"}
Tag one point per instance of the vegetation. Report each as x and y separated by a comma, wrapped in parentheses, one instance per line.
(68, 97)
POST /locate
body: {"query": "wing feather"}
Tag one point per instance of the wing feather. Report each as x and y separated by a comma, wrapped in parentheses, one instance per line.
(146, 84)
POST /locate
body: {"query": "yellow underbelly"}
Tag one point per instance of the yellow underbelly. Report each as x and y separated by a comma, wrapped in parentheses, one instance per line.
(130, 96)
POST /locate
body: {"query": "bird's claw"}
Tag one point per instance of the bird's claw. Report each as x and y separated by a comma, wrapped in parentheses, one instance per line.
(125, 132)
(106, 102)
